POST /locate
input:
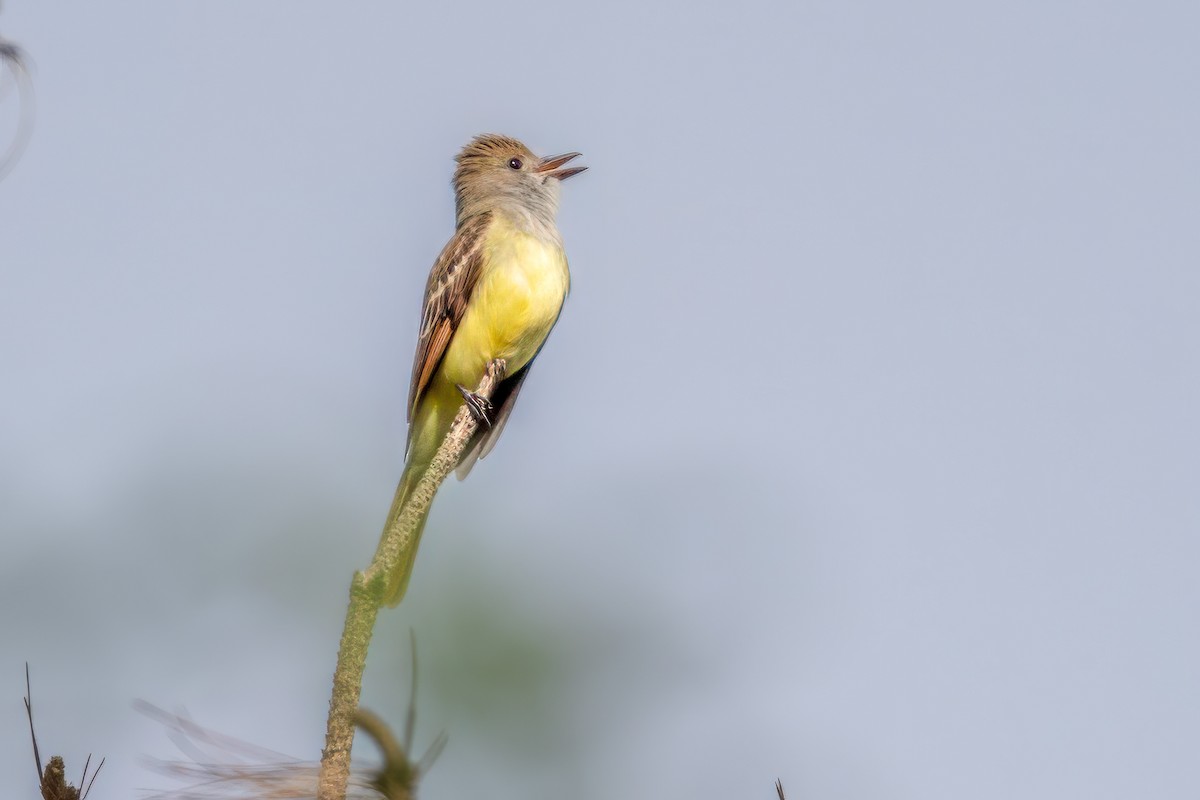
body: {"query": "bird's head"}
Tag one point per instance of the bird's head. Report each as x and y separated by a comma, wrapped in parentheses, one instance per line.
(499, 172)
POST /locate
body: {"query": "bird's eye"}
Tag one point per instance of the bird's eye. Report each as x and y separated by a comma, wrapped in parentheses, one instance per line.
(515, 163)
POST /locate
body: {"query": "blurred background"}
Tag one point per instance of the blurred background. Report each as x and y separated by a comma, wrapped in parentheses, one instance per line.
(865, 454)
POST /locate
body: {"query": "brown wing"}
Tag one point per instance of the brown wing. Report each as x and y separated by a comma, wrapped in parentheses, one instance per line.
(447, 293)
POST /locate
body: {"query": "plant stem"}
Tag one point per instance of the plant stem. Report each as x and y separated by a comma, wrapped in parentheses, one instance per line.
(366, 595)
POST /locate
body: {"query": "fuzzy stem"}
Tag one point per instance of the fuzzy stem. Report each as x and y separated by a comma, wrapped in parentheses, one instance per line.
(366, 595)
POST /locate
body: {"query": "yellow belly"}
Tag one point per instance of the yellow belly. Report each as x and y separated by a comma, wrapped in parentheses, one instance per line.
(516, 302)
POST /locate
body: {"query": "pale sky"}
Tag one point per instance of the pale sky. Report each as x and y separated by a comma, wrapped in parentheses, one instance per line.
(865, 454)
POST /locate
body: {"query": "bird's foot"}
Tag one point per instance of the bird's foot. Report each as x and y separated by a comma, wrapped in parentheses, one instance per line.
(479, 406)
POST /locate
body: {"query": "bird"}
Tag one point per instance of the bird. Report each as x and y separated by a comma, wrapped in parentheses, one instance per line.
(492, 297)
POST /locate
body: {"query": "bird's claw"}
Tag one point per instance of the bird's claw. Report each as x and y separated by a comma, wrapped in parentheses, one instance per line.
(479, 406)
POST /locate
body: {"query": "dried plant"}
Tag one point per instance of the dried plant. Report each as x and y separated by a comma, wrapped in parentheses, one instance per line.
(15, 82)
(52, 779)
(220, 766)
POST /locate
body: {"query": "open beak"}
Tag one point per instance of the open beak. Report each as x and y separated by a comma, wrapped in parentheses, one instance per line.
(550, 166)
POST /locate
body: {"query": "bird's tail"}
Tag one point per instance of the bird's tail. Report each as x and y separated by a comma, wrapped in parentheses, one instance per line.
(398, 580)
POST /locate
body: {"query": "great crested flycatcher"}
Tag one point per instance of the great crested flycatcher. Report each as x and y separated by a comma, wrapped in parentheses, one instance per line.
(493, 294)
